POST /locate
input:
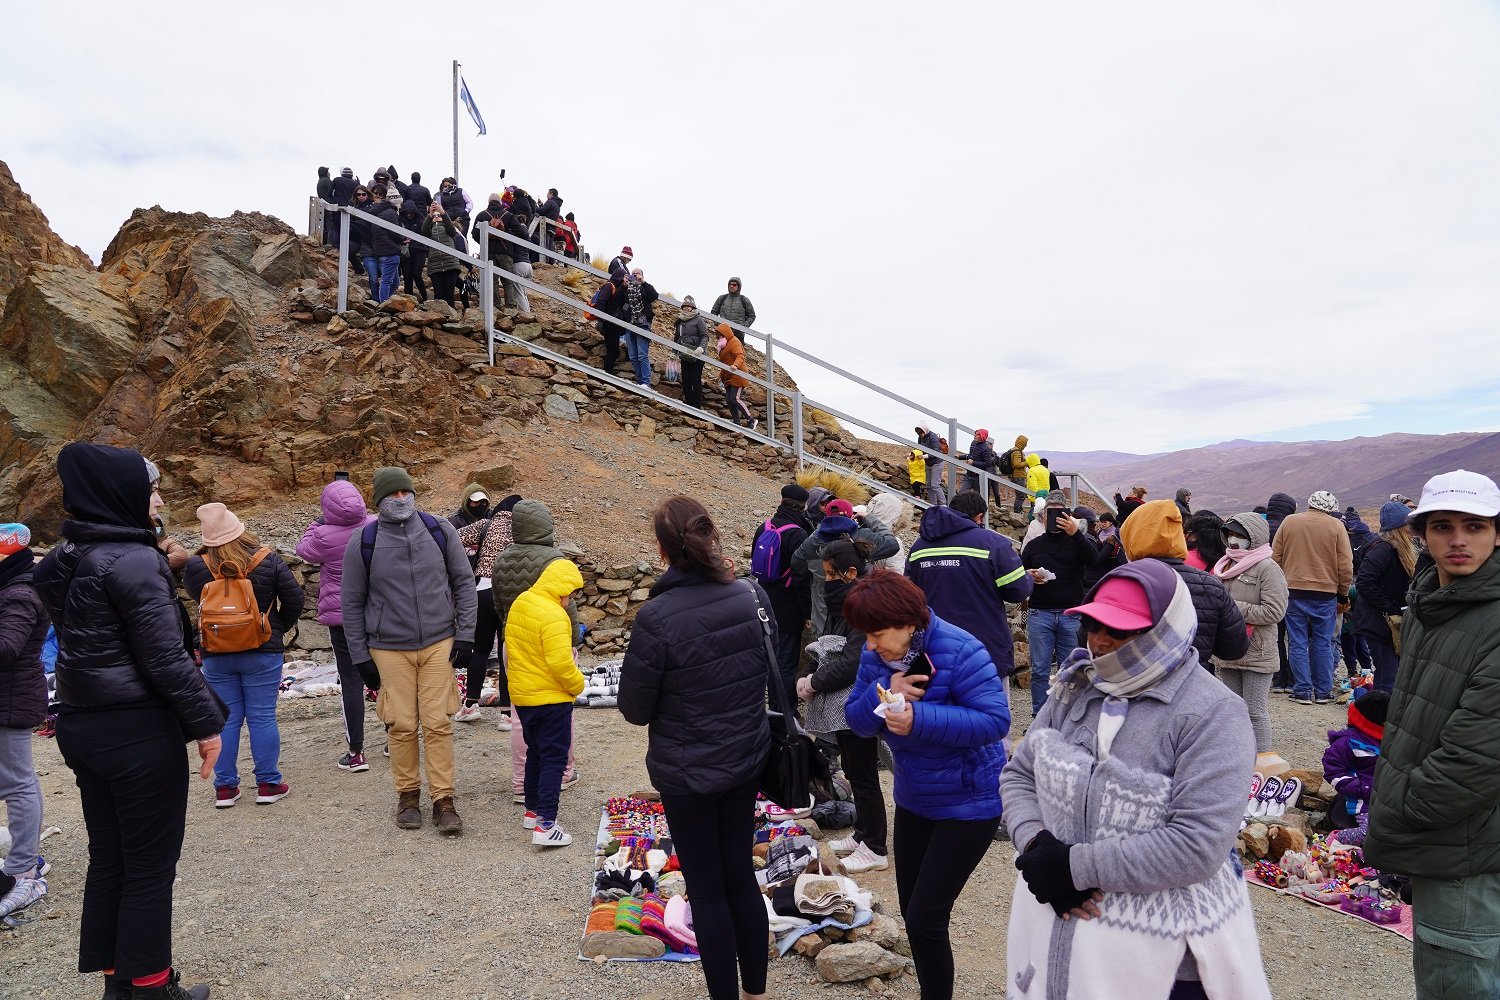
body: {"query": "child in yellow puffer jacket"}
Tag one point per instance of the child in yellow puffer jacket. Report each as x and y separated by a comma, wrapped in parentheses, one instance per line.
(1038, 476)
(544, 679)
(916, 471)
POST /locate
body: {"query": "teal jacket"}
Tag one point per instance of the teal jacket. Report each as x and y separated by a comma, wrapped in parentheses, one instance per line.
(1435, 811)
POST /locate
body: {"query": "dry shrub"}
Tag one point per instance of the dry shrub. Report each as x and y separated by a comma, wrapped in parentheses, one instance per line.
(839, 484)
(823, 419)
(574, 278)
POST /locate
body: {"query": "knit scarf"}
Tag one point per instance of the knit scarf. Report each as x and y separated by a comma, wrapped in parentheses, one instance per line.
(1236, 561)
(1134, 668)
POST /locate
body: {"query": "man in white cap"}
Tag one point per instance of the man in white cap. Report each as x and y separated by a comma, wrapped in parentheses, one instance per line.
(1312, 548)
(1435, 809)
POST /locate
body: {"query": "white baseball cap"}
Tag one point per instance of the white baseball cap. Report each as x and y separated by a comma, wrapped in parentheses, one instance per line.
(479, 495)
(1460, 491)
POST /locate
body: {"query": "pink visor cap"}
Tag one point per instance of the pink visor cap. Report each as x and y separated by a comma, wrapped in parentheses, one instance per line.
(1118, 603)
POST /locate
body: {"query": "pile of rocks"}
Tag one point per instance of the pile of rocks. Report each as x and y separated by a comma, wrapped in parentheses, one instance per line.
(1273, 837)
(611, 596)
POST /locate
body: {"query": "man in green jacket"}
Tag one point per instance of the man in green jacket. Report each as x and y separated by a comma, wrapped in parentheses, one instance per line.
(1435, 811)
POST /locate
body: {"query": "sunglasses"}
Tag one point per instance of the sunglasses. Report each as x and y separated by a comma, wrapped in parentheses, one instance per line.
(1092, 625)
(361, 195)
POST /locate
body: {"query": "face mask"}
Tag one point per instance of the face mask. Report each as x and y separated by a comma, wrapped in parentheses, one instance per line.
(1236, 542)
(398, 510)
(481, 509)
(723, 343)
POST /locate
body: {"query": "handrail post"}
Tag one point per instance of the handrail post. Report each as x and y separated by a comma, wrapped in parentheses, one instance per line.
(489, 314)
(797, 425)
(948, 461)
(770, 393)
(486, 290)
(344, 227)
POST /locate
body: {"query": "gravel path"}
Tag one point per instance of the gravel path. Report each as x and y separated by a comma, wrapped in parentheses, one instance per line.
(320, 896)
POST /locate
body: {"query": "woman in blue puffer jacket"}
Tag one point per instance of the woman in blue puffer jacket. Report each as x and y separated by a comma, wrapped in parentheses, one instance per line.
(947, 744)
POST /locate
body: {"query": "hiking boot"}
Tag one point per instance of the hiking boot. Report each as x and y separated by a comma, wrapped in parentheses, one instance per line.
(171, 990)
(226, 797)
(1002, 832)
(116, 988)
(409, 810)
(446, 818)
(353, 762)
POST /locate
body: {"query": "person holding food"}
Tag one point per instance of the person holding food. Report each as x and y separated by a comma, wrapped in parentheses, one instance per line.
(931, 691)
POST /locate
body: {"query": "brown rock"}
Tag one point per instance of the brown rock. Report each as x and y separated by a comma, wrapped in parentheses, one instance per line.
(857, 961)
(808, 945)
(497, 479)
(1255, 839)
(399, 303)
(527, 366)
(881, 929)
(1282, 839)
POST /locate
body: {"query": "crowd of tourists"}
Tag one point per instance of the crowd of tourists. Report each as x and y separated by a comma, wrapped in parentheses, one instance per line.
(1156, 637)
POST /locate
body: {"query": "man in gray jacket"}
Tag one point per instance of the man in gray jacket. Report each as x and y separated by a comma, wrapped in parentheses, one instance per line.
(735, 307)
(409, 606)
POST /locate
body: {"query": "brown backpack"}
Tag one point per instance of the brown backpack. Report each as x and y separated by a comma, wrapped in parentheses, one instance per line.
(229, 618)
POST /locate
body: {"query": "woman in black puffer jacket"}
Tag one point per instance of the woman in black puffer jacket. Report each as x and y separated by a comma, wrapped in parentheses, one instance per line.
(131, 695)
(696, 673)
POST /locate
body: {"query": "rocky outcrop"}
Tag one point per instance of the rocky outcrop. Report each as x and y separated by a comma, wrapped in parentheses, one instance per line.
(26, 238)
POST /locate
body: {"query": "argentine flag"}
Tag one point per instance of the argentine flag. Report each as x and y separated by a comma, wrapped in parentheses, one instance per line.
(464, 95)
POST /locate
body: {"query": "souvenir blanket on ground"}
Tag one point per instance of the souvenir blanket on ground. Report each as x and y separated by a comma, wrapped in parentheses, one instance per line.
(308, 679)
(1336, 878)
(601, 686)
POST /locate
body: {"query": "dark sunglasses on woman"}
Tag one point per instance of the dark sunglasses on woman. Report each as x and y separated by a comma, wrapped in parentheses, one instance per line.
(1088, 624)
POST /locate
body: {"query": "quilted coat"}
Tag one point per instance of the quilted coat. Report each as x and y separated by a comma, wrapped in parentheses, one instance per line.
(324, 542)
(538, 640)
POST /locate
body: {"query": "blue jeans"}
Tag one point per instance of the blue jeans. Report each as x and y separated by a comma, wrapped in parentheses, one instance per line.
(248, 684)
(1052, 636)
(383, 273)
(638, 348)
(1309, 645)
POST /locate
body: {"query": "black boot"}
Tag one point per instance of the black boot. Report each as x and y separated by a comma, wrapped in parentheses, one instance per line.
(116, 988)
(172, 990)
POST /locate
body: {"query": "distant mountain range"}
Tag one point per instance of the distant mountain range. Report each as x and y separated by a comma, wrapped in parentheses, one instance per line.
(1237, 475)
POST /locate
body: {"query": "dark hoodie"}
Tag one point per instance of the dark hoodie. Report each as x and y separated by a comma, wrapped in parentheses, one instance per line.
(533, 547)
(969, 573)
(1278, 509)
(122, 641)
(807, 564)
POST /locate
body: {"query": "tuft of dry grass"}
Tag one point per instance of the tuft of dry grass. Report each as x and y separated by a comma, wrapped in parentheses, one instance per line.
(823, 419)
(574, 278)
(839, 484)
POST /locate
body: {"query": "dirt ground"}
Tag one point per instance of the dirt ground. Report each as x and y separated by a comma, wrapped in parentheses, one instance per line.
(320, 896)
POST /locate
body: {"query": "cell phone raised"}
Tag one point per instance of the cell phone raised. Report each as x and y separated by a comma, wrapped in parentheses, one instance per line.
(341, 476)
(1054, 514)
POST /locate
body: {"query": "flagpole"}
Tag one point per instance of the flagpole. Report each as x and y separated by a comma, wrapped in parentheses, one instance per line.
(455, 121)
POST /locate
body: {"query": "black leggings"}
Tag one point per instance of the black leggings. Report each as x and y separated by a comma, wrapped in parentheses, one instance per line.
(711, 833)
(861, 760)
(486, 628)
(443, 284)
(352, 684)
(132, 778)
(611, 335)
(692, 383)
(934, 859)
(412, 266)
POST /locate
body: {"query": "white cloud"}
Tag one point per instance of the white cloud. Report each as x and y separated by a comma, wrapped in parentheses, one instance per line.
(1109, 225)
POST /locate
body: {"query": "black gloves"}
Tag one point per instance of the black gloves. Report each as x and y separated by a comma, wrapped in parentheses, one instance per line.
(1044, 866)
(462, 653)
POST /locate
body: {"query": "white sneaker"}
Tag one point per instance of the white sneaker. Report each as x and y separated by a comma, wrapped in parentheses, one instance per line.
(844, 845)
(519, 798)
(25, 892)
(469, 713)
(502, 722)
(528, 822)
(550, 836)
(864, 860)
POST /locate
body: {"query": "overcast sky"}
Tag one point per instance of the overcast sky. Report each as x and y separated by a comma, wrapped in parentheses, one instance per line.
(1135, 226)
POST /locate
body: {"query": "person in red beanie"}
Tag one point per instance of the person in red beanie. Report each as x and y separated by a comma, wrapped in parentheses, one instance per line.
(1349, 766)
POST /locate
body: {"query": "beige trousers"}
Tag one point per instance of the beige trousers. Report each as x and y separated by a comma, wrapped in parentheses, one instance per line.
(417, 689)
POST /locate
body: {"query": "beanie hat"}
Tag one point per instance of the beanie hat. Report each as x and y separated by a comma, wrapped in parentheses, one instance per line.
(981, 435)
(388, 480)
(1367, 713)
(13, 538)
(1324, 501)
(792, 491)
(1393, 515)
(347, 172)
(625, 251)
(220, 526)
(688, 302)
(152, 472)
(1057, 497)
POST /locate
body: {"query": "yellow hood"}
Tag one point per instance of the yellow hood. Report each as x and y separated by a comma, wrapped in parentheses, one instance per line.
(559, 579)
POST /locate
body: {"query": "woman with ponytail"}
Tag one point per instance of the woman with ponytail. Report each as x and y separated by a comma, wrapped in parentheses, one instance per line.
(1380, 586)
(837, 652)
(695, 673)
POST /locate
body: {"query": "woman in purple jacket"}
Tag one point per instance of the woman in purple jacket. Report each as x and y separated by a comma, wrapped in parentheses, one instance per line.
(323, 544)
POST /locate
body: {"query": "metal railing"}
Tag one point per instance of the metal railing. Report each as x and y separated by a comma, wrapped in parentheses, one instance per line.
(796, 400)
